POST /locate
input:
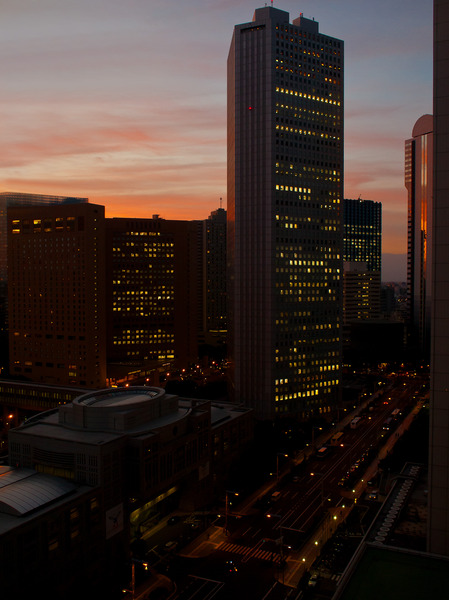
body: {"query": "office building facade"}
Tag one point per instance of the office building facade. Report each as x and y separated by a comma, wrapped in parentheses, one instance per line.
(214, 323)
(153, 285)
(10, 199)
(419, 184)
(438, 508)
(362, 256)
(285, 181)
(362, 241)
(56, 294)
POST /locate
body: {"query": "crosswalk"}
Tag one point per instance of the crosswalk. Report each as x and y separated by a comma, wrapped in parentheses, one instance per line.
(248, 552)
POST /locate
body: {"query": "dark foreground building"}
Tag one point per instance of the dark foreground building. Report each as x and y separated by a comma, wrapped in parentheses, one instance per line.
(84, 479)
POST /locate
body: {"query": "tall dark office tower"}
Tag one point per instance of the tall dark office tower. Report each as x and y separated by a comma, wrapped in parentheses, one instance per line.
(438, 508)
(56, 294)
(419, 184)
(285, 176)
(362, 256)
(214, 278)
(152, 291)
(362, 241)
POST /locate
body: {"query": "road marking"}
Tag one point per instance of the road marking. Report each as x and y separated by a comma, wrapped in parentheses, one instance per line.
(249, 552)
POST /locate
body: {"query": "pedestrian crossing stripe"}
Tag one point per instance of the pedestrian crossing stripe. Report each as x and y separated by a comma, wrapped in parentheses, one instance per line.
(249, 552)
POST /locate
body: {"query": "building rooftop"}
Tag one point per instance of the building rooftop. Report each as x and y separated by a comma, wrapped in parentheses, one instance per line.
(24, 491)
(392, 573)
(383, 569)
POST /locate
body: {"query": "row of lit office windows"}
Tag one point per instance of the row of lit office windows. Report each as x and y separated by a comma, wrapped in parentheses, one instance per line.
(307, 96)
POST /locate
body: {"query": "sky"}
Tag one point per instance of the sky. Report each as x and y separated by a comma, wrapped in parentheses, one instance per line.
(124, 101)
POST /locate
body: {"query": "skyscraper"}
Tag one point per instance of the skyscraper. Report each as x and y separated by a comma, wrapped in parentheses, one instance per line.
(56, 294)
(10, 199)
(419, 184)
(285, 176)
(438, 509)
(362, 256)
(362, 241)
(152, 282)
(214, 278)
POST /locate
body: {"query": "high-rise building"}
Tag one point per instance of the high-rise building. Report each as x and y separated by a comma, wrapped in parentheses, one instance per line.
(361, 293)
(362, 241)
(419, 184)
(153, 279)
(56, 294)
(214, 278)
(438, 508)
(9, 199)
(285, 183)
(362, 256)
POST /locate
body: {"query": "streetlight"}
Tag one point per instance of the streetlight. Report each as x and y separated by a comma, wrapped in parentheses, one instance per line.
(132, 591)
(322, 485)
(225, 528)
(277, 462)
(313, 435)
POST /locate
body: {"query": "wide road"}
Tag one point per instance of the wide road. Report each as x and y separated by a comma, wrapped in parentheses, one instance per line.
(275, 529)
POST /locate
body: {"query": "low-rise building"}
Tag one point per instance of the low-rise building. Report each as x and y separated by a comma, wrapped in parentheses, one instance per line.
(112, 457)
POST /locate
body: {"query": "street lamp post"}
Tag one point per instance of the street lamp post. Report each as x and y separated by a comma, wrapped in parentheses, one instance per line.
(313, 435)
(133, 576)
(277, 463)
(225, 529)
(322, 485)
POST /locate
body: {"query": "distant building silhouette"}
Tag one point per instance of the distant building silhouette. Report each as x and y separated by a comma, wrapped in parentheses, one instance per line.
(419, 184)
(362, 261)
(362, 237)
(285, 182)
(362, 256)
(214, 301)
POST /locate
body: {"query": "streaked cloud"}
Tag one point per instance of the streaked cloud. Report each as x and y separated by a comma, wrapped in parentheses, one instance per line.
(126, 102)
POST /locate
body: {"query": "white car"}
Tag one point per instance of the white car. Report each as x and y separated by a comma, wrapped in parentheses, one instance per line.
(313, 581)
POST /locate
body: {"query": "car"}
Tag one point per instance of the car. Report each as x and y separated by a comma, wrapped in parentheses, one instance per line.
(171, 545)
(313, 581)
(173, 520)
(230, 566)
(373, 495)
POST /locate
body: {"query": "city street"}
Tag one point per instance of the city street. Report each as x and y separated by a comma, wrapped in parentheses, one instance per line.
(265, 546)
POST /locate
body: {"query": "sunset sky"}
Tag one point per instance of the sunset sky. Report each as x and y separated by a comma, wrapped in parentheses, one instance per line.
(124, 102)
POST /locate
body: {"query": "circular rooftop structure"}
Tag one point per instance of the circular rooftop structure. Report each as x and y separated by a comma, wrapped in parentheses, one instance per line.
(119, 409)
(126, 397)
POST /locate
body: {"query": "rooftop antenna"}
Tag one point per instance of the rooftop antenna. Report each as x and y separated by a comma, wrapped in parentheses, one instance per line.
(221, 201)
